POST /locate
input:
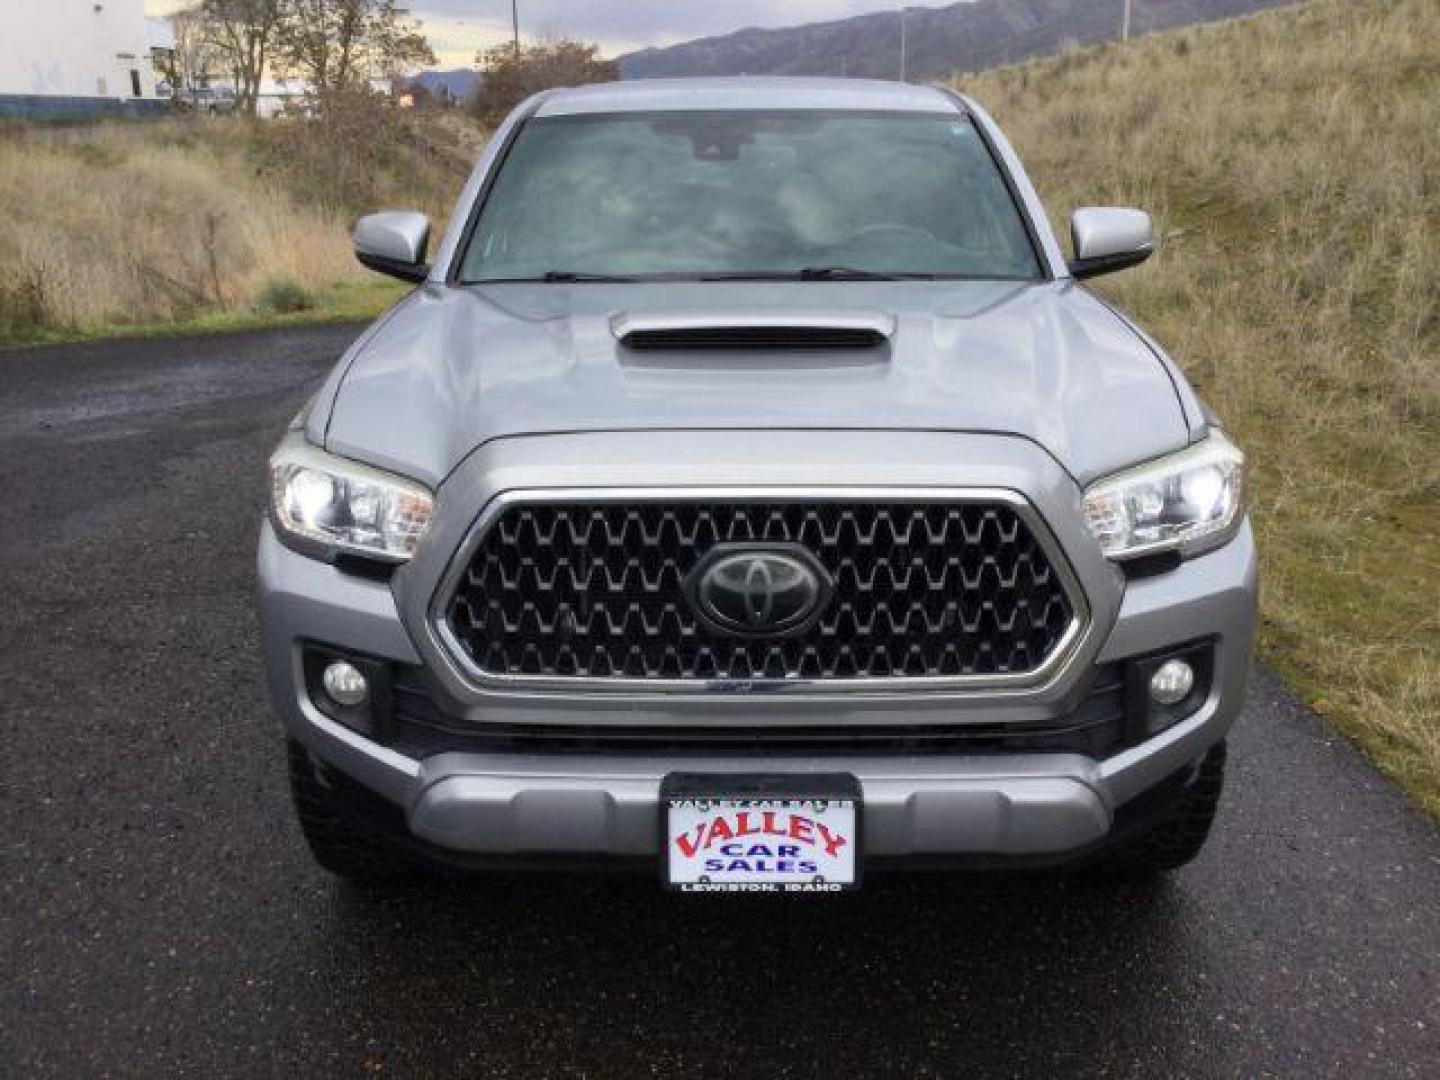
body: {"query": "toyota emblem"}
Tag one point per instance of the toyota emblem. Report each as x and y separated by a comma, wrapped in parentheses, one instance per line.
(759, 589)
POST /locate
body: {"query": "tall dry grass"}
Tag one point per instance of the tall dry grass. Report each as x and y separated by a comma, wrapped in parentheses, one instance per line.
(1292, 161)
(125, 223)
(115, 227)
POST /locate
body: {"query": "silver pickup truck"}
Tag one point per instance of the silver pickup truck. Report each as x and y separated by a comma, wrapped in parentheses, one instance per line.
(750, 493)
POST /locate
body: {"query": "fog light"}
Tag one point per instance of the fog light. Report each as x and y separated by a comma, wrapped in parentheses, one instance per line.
(1170, 685)
(347, 687)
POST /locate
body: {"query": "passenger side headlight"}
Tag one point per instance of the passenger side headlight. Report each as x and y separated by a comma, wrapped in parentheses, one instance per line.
(325, 506)
(1188, 502)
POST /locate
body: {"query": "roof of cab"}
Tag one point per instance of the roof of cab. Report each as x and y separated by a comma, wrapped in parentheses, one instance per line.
(745, 92)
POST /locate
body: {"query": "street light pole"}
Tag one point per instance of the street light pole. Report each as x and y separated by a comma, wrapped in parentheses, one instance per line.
(903, 43)
(1125, 23)
(515, 24)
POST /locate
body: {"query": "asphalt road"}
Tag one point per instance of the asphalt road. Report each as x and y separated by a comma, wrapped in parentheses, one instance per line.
(161, 916)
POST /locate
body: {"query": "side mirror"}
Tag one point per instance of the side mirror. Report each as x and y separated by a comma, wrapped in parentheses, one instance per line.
(394, 243)
(1108, 238)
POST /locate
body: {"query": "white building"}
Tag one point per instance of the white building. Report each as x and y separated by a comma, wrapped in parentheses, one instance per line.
(292, 97)
(64, 58)
(280, 96)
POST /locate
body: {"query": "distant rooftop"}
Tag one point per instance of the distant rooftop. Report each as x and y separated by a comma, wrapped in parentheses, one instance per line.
(745, 92)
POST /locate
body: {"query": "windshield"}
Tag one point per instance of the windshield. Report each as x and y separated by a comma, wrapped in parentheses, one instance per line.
(707, 195)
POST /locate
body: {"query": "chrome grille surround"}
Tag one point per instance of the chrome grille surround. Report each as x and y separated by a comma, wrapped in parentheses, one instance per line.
(1063, 648)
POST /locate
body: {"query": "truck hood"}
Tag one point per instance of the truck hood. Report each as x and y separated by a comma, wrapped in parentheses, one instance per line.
(452, 368)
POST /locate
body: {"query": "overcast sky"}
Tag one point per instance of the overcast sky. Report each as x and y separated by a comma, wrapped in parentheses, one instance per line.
(458, 28)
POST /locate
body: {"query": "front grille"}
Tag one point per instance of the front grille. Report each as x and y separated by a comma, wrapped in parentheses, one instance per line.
(921, 590)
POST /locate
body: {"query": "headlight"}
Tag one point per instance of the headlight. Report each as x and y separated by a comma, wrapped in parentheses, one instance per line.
(1188, 502)
(324, 505)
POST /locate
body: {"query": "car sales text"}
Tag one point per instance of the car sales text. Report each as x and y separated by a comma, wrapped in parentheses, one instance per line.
(759, 841)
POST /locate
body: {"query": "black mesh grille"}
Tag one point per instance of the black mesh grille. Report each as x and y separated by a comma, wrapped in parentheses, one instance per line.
(921, 590)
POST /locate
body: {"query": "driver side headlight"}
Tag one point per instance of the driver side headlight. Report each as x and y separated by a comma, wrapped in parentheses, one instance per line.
(1189, 502)
(323, 505)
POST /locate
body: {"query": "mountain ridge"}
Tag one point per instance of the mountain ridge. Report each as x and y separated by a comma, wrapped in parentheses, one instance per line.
(940, 41)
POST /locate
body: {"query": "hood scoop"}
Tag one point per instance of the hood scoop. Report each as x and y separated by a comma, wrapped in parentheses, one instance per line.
(788, 332)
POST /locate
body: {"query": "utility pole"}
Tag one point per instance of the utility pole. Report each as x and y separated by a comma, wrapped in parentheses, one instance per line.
(515, 22)
(902, 44)
(1125, 23)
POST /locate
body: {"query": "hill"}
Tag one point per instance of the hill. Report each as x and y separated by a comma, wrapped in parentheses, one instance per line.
(1290, 159)
(939, 41)
(209, 221)
(457, 83)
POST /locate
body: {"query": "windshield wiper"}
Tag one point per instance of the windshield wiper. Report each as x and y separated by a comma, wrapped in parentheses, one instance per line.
(840, 273)
(850, 273)
(808, 273)
(580, 275)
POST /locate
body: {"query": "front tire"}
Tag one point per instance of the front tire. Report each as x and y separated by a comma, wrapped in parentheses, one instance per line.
(339, 844)
(1178, 837)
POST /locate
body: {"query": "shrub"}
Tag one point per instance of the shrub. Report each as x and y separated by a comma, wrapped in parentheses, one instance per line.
(284, 296)
(510, 75)
(360, 153)
(24, 304)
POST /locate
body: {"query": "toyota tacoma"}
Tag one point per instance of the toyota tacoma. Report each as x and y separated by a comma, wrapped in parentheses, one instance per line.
(750, 492)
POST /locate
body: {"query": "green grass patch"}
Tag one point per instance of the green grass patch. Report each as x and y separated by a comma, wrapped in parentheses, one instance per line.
(283, 296)
(337, 303)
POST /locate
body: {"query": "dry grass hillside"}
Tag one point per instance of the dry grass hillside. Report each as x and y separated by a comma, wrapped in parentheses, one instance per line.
(1292, 160)
(126, 224)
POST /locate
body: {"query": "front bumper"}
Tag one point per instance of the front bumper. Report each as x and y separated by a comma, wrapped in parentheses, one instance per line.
(513, 806)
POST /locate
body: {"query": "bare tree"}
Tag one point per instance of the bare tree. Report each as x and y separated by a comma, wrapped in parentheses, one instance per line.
(194, 54)
(243, 31)
(338, 45)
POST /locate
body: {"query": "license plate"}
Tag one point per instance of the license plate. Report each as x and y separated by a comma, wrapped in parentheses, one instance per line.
(761, 834)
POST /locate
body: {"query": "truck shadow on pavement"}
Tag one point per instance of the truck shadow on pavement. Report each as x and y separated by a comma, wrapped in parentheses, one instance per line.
(610, 975)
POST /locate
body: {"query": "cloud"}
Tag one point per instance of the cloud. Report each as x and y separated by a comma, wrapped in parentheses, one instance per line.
(621, 25)
(459, 28)
(660, 21)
